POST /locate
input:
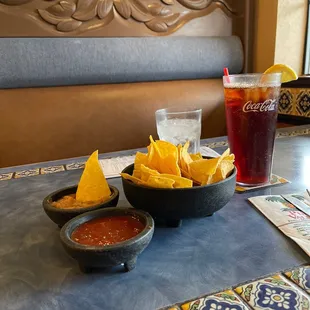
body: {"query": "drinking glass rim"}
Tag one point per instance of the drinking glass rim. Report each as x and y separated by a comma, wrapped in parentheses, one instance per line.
(252, 74)
(167, 112)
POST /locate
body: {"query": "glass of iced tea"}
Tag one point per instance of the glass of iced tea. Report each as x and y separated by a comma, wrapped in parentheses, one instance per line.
(251, 102)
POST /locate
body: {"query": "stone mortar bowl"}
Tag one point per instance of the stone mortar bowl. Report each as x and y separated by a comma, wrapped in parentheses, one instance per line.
(125, 252)
(173, 205)
(62, 216)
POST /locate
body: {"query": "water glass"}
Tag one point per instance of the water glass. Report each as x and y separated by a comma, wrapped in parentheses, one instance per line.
(178, 126)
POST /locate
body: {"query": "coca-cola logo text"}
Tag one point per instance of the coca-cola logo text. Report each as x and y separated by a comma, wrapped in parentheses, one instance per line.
(268, 105)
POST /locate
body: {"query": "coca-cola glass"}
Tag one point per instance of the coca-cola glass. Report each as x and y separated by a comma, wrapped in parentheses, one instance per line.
(251, 102)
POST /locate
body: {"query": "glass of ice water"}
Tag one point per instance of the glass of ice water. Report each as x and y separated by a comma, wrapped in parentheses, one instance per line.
(178, 126)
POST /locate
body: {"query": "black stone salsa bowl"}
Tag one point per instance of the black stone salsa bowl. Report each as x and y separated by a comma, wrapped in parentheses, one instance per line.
(125, 252)
(173, 205)
(62, 216)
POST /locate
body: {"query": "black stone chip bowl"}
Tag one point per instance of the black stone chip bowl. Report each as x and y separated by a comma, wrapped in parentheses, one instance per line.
(126, 252)
(62, 216)
(173, 205)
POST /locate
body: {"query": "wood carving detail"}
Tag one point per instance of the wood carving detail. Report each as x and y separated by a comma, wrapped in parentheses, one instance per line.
(14, 2)
(196, 4)
(81, 15)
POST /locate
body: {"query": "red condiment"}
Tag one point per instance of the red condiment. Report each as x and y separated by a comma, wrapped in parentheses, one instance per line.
(107, 230)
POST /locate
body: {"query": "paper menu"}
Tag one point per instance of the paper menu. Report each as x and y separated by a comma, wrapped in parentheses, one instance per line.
(112, 167)
(293, 223)
(206, 151)
(277, 209)
(300, 233)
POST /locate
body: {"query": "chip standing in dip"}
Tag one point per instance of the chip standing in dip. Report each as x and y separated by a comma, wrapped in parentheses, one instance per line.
(107, 230)
(93, 188)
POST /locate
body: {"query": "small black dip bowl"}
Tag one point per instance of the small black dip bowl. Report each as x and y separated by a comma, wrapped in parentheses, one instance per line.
(62, 216)
(173, 205)
(125, 252)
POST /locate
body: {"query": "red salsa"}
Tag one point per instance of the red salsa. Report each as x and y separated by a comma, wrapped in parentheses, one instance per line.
(107, 230)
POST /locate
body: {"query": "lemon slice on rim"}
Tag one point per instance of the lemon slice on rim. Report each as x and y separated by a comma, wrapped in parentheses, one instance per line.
(288, 73)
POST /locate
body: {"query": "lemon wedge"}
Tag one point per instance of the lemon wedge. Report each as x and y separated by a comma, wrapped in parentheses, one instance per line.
(288, 73)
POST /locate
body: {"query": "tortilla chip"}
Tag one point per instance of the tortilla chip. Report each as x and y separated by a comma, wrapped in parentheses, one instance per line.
(147, 172)
(93, 185)
(222, 172)
(169, 165)
(196, 156)
(185, 158)
(163, 157)
(225, 154)
(185, 174)
(180, 182)
(166, 148)
(154, 159)
(156, 149)
(230, 157)
(159, 182)
(137, 173)
(200, 170)
(140, 159)
(132, 179)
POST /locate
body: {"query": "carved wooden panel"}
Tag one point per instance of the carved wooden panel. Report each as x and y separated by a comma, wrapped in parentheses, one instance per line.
(109, 17)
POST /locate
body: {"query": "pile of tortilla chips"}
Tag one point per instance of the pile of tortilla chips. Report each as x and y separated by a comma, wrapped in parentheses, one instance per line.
(93, 185)
(168, 166)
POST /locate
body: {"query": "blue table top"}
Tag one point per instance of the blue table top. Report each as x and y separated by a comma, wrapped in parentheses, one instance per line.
(236, 244)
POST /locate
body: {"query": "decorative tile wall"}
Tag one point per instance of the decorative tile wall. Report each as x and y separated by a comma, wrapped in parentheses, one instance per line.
(295, 102)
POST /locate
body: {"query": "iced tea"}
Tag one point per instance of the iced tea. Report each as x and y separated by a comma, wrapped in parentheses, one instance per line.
(251, 115)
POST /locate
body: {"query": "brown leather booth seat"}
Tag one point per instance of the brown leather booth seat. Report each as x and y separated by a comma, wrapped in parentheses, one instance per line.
(40, 124)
